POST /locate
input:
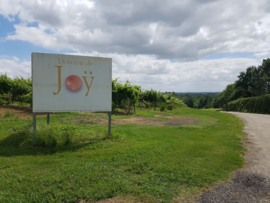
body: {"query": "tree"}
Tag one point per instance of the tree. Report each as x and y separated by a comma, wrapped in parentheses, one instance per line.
(226, 95)
(189, 101)
(255, 81)
(245, 82)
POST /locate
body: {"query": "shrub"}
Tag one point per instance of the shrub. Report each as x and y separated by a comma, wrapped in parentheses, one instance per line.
(173, 102)
(260, 104)
(162, 107)
(170, 107)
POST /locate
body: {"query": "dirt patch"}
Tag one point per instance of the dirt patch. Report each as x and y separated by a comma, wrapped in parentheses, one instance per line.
(18, 111)
(141, 120)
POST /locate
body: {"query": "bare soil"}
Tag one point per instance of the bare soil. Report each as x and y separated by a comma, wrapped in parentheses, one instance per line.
(141, 120)
(18, 111)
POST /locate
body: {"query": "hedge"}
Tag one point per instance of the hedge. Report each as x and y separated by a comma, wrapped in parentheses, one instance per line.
(260, 104)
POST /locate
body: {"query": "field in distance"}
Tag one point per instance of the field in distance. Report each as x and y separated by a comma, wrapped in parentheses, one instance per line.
(151, 156)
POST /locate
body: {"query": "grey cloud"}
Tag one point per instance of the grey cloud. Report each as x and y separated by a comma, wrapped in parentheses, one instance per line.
(187, 30)
(130, 12)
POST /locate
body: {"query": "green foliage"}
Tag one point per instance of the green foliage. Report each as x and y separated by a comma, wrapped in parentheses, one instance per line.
(9, 114)
(260, 104)
(162, 107)
(173, 102)
(197, 100)
(121, 93)
(226, 95)
(255, 81)
(153, 97)
(189, 101)
(150, 96)
(5, 84)
(20, 87)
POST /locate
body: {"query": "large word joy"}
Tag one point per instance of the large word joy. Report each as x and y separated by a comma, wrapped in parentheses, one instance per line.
(73, 82)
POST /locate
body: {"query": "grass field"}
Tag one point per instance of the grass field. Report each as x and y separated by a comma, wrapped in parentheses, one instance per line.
(75, 159)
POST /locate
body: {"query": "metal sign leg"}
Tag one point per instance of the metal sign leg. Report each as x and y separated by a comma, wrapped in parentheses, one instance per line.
(110, 119)
(48, 118)
(34, 128)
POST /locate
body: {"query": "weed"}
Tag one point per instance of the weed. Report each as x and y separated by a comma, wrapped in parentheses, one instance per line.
(9, 114)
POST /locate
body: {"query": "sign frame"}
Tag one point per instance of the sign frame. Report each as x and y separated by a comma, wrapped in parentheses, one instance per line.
(80, 64)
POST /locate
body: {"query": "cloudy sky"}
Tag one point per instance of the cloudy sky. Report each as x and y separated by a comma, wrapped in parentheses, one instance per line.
(181, 46)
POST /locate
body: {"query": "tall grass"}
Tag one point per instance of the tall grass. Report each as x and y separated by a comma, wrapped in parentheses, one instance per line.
(9, 114)
(55, 135)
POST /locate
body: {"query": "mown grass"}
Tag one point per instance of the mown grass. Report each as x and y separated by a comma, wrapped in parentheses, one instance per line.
(150, 163)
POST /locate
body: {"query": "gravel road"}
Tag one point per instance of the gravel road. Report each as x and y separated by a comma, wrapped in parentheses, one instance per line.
(252, 183)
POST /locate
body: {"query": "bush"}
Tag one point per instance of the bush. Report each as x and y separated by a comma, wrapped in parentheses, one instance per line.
(173, 102)
(162, 107)
(260, 104)
(170, 107)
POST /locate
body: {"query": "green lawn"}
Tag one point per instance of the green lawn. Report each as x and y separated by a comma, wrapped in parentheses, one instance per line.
(77, 161)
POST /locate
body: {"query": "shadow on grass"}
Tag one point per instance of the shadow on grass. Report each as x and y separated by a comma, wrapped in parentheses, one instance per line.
(12, 146)
(119, 112)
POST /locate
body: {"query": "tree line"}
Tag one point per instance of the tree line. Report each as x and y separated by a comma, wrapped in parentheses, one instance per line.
(198, 101)
(255, 81)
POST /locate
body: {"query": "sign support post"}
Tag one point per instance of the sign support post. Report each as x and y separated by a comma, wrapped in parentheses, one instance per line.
(34, 128)
(48, 118)
(110, 119)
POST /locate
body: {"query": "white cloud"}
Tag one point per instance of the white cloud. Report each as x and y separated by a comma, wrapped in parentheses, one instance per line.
(159, 74)
(13, 67)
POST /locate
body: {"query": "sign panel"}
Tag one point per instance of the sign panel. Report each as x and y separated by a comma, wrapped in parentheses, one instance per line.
(69, 83)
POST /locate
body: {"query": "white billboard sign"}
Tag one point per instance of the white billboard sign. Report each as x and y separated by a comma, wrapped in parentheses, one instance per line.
(70, 83)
